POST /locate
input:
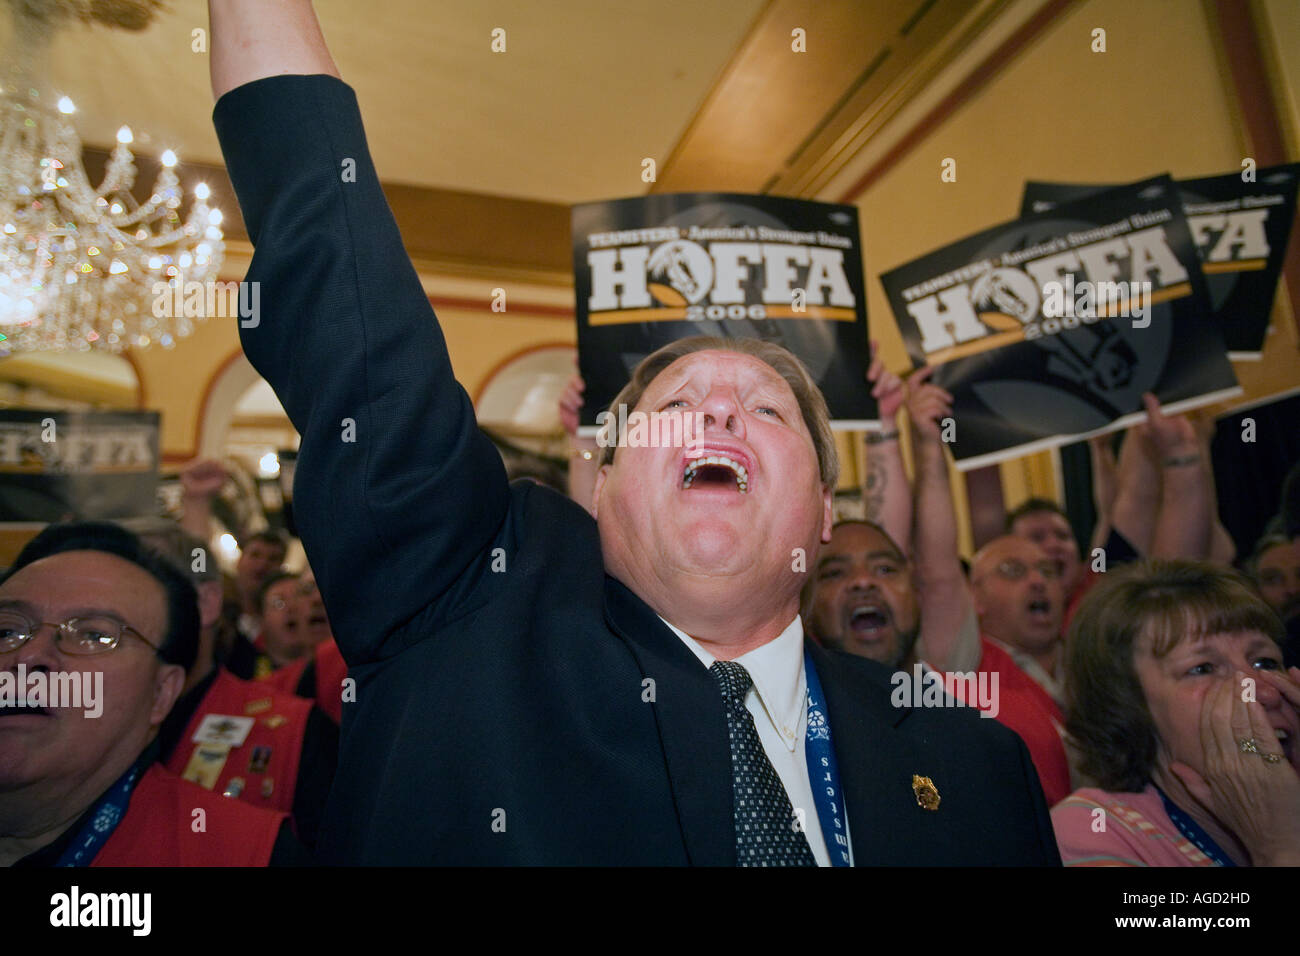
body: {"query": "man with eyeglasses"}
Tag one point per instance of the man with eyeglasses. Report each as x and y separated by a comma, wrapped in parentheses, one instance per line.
(318, 673)
(1009, 574)
(1017, 591)
(282, 640)
(78, 789)
(1158, 500)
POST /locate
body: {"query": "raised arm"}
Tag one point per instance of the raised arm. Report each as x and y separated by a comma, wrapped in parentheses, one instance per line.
(949, 639)
(1186, 492)
(1137, 490)
(398, 496)
(201, 480)
(253, 39)
(1223, 550)
(1102, 457)
(886, 495)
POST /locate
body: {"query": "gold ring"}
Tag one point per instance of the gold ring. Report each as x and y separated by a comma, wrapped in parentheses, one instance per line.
(1248, 745)
(1271, 758)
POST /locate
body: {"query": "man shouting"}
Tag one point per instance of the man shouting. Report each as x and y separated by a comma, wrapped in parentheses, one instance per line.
(534, 686)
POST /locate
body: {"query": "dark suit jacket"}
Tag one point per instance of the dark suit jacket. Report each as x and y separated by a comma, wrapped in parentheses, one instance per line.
(501, 712)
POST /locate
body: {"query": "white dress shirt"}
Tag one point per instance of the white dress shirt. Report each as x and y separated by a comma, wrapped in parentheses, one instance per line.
(779, 703)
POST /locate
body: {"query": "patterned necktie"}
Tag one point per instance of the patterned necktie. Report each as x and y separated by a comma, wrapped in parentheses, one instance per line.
(765, 822)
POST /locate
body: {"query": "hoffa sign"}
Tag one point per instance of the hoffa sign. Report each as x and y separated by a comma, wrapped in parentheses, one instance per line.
(650, 270)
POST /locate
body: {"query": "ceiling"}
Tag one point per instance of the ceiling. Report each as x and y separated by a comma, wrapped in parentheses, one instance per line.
(482, 153)
(583, 92)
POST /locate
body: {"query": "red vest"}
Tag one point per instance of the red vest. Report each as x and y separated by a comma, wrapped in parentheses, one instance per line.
(266, 763)
(1030, 711)
(331, 670)
(160, 822)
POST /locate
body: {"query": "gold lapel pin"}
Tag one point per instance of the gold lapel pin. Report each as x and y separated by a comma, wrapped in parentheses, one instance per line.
(927, 794)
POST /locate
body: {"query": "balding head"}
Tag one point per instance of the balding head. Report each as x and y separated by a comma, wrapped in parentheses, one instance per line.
(1018, 594)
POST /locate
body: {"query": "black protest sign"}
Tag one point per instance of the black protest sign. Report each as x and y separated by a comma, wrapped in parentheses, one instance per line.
(1241, 228)
(1049, 328)
(654, 269)
(56, 464)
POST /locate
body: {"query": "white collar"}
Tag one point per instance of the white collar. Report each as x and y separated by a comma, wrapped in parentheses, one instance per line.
(1033, 670)
(777, 671)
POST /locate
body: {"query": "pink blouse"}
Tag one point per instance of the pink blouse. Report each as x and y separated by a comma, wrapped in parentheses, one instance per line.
(1131, 829)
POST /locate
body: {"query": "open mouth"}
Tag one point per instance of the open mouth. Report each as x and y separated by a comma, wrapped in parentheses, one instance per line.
(868, 621)
(1039, 608)
(716, 471)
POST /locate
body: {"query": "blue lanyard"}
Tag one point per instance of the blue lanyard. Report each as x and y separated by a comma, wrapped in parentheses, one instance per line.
(823, 775)
(1192, 830)
(108, 813)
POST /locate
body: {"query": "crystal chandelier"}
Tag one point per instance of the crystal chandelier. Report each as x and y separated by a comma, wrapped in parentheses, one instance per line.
(79, 264)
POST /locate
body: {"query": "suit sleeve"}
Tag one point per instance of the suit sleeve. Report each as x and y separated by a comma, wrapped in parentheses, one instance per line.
(1047, 852)
(316, 767)
(398, 494)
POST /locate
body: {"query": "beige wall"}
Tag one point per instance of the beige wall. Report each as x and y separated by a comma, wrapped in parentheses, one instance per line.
(480, 341)
(178, 381)
(1281, 20)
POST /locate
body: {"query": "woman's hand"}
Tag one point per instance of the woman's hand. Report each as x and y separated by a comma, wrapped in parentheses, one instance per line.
(1288, 685)
(1258, 800)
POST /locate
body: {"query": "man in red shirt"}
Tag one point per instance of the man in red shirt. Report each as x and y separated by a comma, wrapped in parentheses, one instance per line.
(1157, 501)
(1018, 596)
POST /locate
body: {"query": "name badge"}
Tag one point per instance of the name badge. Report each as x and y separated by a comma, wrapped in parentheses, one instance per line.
(206, 764)
(223, 729)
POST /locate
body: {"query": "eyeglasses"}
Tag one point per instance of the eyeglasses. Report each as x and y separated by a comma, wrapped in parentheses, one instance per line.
(79, 636)
(1013, 570)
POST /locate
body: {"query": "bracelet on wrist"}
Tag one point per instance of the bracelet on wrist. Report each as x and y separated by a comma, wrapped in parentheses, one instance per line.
(1179, 461)
(879, 438)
